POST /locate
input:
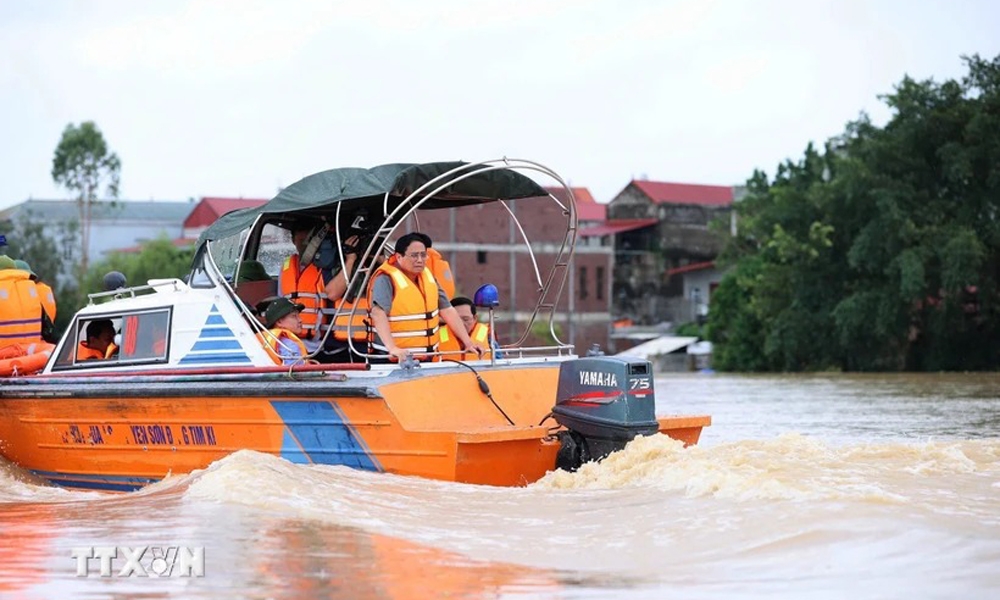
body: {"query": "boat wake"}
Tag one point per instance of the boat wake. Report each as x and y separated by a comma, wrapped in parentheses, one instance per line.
(765, 495)
(654, 485)
(18, 485)
(788, 467)
(795, 467)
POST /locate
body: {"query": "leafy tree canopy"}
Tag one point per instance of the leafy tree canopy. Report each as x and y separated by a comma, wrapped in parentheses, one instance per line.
(158, 259)
(83, 164)
(879, 252)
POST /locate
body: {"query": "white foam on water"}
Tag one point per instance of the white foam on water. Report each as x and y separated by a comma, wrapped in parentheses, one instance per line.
(18, 485)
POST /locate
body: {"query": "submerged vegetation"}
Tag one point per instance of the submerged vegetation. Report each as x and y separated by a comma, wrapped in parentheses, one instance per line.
(881, 251)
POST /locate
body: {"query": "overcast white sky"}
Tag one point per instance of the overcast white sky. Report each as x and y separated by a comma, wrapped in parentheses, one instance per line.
(237, 98)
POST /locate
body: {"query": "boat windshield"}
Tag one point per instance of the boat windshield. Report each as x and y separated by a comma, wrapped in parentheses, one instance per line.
(274, 247)
(226, 253)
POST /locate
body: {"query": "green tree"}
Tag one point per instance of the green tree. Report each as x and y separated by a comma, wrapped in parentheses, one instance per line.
(83, 165)
(735, 330)
(46, 249)
(158, 259)
(27, 240)
(882, 252)
(784, 270)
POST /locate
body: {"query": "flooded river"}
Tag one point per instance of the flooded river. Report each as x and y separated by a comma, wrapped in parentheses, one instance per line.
(822, 486)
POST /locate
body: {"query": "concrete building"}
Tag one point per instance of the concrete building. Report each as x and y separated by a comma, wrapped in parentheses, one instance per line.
(665, 249)
(114, 224)
(484, 245)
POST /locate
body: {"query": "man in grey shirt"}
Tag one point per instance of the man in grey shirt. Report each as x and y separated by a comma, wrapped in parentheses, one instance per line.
(411, 260)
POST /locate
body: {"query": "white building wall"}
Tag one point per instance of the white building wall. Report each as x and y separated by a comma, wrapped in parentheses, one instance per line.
(696, 291)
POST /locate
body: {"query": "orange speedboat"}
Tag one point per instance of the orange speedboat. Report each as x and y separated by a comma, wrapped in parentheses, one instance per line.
(192, 383)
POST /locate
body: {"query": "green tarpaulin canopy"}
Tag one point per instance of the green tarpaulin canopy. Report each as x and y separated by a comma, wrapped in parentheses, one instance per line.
(366, 189)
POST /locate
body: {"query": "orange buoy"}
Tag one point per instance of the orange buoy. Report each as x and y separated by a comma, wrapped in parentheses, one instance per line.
(16, 360)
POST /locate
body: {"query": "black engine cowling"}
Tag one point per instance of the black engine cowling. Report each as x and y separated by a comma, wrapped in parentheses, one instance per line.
(604, 402)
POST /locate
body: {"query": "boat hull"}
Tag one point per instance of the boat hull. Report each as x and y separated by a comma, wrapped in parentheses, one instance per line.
(123, 434)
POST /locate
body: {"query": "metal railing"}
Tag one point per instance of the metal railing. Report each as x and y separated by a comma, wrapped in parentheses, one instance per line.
(550, 287)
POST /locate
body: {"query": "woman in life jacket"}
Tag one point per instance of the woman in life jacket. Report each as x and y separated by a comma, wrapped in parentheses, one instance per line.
(337, 269)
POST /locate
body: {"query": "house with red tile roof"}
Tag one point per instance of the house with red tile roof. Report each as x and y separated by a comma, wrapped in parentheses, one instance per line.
(664, 248)
(203, 214)
(484, 245)
(210, 208)
(662, 192)
(589, 212)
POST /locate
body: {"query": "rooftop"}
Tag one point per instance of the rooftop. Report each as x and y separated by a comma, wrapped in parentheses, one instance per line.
(210, 208)
(691, 268)
(587, 209)
(113, 210)
(616, 226)
(661, 192)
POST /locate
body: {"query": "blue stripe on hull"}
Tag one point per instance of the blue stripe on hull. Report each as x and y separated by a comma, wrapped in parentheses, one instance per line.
(323, 434)
(216, 344)
(91, 481)
(192, 359)
(291, 451)
(216, 332)
(93, 485)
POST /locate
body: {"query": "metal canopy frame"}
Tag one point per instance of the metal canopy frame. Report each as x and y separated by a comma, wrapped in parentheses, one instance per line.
(550, 287)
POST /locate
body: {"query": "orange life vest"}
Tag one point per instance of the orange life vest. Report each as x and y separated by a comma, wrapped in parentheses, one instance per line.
(85, 352)
(47, 298)
(279, 335)
(449, 342)
(20, 309)
(341, 321)
(442, 272)
(439, 267)
(413, 317)
(358, 325)
(305, 288)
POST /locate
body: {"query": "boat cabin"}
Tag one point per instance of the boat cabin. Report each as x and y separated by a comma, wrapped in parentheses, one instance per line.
(164, 324)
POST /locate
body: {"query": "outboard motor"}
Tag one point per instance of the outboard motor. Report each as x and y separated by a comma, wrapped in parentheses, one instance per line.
(604, 402)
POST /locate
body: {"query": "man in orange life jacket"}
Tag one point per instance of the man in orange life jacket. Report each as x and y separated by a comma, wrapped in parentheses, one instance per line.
(20, 306)
(100, 342)
(337, 267)
(48, 300)
(315, 286)
(478, 332)
(407, 304)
